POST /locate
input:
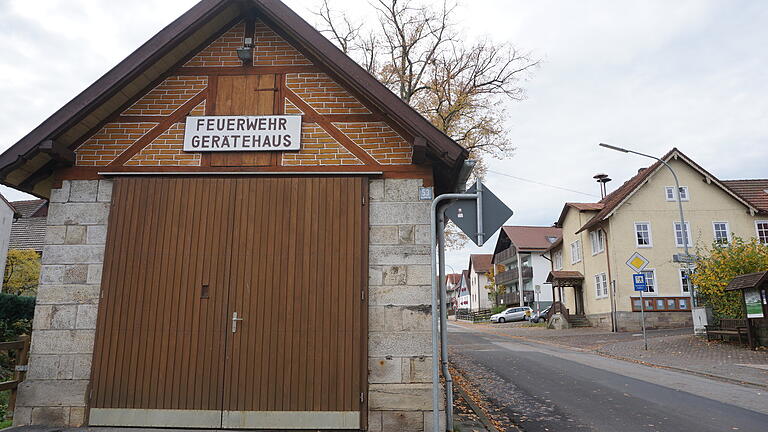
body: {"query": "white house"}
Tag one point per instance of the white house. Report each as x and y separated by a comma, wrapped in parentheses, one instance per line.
(7, 213)
(528, 245)
(479, 265)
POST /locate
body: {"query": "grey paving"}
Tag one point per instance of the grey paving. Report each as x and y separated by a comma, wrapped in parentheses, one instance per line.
(549, 388)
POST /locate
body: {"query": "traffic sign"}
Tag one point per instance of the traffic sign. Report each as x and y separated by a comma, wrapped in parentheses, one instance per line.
(639, 282)
(464, 214)
(637, 262)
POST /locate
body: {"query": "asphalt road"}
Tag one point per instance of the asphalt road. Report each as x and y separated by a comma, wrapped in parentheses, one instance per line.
(546, 388)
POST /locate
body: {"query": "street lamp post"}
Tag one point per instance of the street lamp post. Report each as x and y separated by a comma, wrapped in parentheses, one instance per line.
(679, 206)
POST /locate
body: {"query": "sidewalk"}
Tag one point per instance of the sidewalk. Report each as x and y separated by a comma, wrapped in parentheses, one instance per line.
(674, 348)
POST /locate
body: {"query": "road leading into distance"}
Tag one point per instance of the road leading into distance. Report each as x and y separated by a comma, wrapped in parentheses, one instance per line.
(548, 388)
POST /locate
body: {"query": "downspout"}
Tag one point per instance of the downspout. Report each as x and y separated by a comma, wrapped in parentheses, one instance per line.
(519, 274)
(611, 297)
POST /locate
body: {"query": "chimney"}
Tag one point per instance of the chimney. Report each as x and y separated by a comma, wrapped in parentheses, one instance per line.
(602, 179)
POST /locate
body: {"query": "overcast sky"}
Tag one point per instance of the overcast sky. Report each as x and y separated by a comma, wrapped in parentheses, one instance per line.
(649, 75)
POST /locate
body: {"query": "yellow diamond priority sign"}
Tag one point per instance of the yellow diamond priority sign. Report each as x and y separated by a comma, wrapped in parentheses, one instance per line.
(637, 262)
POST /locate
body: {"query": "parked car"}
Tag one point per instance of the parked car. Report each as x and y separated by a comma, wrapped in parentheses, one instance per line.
(542, 315)
(512, 314)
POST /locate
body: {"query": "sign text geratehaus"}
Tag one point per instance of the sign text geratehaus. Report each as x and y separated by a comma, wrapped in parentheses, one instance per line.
(242, 133)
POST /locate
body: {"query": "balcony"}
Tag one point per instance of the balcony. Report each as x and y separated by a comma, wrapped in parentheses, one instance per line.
(504, 256)
(510, 276)
(510, 299)
(513, 298)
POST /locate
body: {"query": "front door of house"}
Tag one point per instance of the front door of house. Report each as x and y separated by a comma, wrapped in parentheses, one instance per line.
(232, 302)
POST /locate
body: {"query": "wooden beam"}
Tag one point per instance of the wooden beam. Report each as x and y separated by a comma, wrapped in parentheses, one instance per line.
(332, 130)
(40, 174)
(58, 151)
(245, 70)
(156, 131)
(419, 155)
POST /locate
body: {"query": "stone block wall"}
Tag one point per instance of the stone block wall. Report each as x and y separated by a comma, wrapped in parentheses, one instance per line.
(399, 326)
(64, 327)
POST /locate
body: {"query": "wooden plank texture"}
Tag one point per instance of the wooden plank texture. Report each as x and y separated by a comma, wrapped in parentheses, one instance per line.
(244, 95)
(184, 254)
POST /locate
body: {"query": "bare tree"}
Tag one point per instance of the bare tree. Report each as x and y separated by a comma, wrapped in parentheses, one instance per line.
(418, 51)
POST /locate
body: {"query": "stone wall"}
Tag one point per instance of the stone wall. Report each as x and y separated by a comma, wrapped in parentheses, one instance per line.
(400, 353)
(399, 328)
(630, 321)
(54, 392)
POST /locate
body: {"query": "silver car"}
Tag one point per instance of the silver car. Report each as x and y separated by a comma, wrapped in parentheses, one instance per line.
(512, 314)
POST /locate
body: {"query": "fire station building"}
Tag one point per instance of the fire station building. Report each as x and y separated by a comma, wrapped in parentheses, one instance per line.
(235, 237)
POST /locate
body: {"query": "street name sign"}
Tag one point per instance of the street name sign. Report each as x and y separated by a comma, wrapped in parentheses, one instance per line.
(464, 214)
(637, 262)
(242, 133)
(639, 282)
(683, 258)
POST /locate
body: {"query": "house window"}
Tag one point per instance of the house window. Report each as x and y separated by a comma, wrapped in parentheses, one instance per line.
(762, 231)
(722, 233)
(601, 285)
(557, 260)
(575, 251)
(650, 281)
(685, 281)
(597, 238)
(643, 234)
(669, 192)
(679, 234)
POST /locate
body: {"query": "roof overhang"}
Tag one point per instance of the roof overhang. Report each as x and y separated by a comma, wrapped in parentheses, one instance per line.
(29, 164)
(673, 154)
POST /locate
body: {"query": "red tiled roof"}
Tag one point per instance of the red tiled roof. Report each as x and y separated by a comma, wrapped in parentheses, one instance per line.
(480, 263)
(613, 199)
(28, 208)
(564, 274)
(746, 281)
(755, 191)
(532, 237)
(578, 206)
(453, 278)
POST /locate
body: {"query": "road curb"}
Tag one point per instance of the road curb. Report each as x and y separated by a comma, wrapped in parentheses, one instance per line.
(628, 359)
(478, 411)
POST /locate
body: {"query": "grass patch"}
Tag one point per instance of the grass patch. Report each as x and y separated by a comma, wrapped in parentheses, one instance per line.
(6, 424)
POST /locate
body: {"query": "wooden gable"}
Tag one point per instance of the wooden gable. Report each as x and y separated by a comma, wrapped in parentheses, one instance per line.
(338, 129)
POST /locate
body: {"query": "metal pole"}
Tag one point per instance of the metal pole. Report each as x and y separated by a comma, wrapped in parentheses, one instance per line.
(435, 308)
(642, 319)
(480, 228)
(444, 321)
(519, 274)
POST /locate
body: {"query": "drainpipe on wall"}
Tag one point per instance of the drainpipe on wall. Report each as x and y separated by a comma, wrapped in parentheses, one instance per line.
(520, 285)
(611, 293)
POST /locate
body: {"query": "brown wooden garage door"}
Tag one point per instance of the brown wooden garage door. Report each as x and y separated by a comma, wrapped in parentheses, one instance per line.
(287, 255)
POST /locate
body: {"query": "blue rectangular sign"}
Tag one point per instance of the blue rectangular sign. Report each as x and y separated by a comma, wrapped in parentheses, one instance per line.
(639, 280)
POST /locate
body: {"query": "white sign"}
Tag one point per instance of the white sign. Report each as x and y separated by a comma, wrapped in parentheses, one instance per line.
(242, 133)
(637, 262)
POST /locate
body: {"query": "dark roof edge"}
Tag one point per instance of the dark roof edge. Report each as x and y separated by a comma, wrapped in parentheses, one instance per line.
(443, 147)
(109, 83)
(358, 78)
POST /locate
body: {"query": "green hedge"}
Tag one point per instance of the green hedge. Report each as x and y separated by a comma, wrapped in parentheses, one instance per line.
(14, 308)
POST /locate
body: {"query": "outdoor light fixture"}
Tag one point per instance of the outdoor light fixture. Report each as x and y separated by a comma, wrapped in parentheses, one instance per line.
(623, 150)
(245, 54)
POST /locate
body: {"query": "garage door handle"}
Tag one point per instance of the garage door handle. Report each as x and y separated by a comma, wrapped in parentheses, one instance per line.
(235, 319)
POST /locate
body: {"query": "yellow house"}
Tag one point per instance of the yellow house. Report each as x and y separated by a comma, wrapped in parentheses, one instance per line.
(588, 265)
